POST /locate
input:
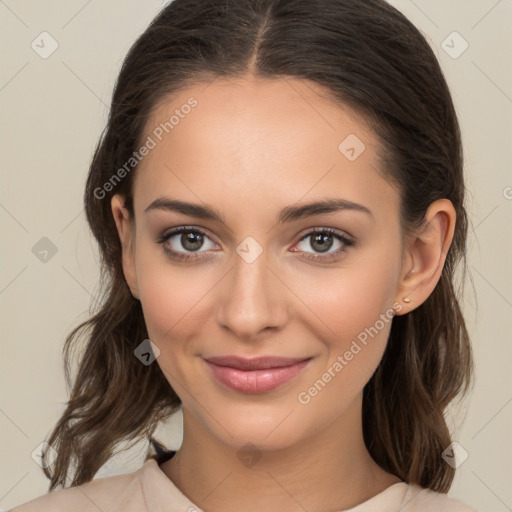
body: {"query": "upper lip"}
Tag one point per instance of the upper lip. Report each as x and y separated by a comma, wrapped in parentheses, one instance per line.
(255, 363)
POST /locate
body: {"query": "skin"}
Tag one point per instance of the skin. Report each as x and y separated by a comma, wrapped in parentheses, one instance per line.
(250, 148)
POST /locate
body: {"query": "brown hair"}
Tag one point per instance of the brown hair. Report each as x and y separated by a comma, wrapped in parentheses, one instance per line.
(370, 57)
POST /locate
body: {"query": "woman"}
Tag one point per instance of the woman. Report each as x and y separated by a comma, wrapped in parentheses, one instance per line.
(278, 200)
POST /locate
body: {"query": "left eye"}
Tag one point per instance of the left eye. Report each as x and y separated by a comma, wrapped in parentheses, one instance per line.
(322, 241)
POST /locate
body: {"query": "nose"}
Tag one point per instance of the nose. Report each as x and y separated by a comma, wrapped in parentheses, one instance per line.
(252, 299)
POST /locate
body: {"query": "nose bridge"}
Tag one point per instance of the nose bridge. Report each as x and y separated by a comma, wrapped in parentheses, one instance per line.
(251, 299)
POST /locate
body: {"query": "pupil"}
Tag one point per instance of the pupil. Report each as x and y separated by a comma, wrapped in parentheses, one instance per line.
(192, 241)
(324, 240)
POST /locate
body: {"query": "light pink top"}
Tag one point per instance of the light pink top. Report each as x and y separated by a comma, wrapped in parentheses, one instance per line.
(150, 490)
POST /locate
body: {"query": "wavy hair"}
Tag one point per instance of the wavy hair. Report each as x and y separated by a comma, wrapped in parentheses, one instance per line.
(370, 57)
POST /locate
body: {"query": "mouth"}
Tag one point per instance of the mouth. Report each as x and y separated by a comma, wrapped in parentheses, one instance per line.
(255, 375)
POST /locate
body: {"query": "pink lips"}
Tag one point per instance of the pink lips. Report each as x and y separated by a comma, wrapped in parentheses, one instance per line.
(256, 375)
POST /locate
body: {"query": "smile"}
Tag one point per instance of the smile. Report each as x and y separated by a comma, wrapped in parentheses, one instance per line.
(257, 375)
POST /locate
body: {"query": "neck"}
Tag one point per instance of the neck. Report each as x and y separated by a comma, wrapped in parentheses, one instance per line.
(330, 471)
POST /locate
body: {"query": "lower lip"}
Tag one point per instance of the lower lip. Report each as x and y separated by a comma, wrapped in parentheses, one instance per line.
(255, 381)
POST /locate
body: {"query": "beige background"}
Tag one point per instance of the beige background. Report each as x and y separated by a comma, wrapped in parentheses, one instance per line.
(53, 111)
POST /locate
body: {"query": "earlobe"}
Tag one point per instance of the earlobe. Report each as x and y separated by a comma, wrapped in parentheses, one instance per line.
(425, 255)
(125, 230)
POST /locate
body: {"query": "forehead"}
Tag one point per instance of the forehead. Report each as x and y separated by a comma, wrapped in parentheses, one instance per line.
(253, 139)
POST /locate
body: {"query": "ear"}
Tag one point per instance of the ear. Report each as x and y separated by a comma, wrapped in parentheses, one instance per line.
(424, 256)
(126, 231)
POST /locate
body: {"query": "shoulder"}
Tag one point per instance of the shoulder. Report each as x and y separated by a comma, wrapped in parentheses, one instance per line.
(106, 493)
(418, 499)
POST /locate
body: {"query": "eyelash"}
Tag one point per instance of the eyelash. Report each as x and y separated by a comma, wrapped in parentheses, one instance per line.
(193, 256)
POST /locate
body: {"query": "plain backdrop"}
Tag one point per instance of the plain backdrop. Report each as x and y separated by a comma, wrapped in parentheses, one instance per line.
(53, 110)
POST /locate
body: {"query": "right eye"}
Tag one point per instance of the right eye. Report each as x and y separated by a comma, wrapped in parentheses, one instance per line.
(185, 242)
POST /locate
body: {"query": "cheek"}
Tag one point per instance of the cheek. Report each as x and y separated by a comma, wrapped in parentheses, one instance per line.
(351, 313)
(172, 296)
(173, 302)
(359, 321)
(347, 300)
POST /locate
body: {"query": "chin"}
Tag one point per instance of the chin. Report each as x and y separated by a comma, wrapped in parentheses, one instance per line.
(268, 426)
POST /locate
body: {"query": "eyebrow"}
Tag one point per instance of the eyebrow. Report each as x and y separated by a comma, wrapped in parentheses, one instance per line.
(287, 214)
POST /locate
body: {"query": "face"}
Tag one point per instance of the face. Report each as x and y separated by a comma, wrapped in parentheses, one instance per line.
(246, 269)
